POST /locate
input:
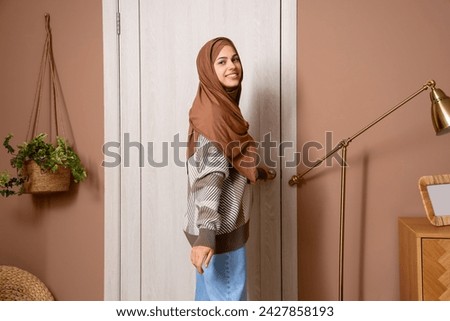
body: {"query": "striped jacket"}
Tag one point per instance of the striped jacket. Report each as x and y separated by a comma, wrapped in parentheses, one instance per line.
(219, 200)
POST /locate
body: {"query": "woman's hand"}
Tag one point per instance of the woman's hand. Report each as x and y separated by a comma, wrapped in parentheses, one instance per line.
(266, 174)
(201, 255)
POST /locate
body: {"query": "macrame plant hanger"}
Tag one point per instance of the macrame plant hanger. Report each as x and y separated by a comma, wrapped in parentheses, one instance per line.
(38, 181)
(59, 124)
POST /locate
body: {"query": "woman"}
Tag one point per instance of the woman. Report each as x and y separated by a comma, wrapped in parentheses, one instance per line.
(222, 160)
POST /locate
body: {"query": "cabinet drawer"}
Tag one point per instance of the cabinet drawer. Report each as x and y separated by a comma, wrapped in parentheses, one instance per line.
(436, 269)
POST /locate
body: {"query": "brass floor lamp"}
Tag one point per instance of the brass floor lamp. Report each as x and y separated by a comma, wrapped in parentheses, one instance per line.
(440, 114)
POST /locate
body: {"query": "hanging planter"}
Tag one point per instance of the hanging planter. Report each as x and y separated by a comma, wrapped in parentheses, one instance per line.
(41, 167)
(40, 181)
(44, 166)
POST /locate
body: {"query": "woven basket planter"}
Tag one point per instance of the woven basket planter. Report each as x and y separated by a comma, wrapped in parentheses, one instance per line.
(44, 182)
(19, 285)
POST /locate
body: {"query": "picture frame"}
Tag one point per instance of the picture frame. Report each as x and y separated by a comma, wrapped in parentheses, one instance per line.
(435, 192)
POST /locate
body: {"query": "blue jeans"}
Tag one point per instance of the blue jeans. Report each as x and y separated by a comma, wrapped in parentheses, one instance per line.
(224, 279)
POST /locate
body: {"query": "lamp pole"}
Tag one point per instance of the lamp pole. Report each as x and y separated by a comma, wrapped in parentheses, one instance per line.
(342, 220)
(342, 146)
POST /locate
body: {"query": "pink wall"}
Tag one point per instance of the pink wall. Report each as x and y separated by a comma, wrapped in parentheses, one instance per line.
(357, 59)
(58, 238)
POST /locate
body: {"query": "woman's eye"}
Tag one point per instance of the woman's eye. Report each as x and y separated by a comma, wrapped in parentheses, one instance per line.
(221, 62)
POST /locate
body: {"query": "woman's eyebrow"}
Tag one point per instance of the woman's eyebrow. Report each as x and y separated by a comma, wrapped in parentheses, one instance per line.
(233, 56)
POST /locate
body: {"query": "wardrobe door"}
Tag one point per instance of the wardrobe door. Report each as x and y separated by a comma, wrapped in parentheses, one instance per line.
(158, 45)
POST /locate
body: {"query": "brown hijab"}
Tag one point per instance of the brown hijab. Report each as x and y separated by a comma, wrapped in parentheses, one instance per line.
(216, 115)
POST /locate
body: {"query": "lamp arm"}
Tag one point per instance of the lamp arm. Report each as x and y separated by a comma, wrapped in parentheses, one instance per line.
(428, 85)
(295, 179)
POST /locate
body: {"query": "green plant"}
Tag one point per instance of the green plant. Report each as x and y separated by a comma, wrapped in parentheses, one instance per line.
(48, 156)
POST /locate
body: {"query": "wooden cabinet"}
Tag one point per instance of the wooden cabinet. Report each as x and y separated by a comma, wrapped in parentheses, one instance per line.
(424, 251)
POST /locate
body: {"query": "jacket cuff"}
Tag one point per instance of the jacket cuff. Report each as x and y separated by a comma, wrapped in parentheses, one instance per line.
(206, 238)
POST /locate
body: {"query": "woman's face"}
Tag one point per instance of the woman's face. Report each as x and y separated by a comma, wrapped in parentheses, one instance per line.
(228, 67)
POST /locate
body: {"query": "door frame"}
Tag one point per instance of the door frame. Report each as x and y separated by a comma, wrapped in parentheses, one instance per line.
(113, 289)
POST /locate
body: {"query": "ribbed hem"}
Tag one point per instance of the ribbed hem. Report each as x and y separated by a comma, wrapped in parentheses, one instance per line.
(223, 242)
(206, 238)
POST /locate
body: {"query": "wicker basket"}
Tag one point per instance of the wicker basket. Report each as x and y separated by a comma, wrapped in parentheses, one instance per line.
(19, 285)
(43, 182)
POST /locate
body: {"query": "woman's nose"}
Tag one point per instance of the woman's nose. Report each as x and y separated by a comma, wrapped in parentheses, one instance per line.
(231, 64)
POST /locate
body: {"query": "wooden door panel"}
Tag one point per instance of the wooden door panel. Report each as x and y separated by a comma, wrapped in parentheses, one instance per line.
(171, 34)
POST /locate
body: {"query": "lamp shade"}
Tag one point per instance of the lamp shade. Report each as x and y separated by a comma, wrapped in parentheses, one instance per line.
(440, 111)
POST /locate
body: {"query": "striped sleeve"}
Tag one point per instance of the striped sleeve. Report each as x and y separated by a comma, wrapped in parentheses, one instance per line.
(207, 168)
